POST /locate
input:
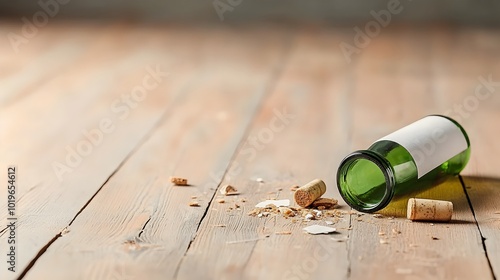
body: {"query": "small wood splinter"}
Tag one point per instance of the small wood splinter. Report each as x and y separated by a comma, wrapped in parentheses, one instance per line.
(324, 203)
(228, 190)
(194, 204)
(179, 181)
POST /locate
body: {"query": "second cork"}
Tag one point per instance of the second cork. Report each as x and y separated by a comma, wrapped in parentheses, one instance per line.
(307, 194)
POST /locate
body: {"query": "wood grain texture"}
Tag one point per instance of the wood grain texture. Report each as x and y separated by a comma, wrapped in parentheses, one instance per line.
(393, 248)
(39, 57)
(57, 114)
(219, 118)
(283, 152)
(139, 225)
(483, 193)
(397, 86)
(470, 89)
(467, 82)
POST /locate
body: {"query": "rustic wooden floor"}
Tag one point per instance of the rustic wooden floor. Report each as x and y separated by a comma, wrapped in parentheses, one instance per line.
(270, 101)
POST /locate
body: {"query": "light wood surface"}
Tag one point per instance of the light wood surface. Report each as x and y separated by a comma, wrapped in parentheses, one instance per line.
(253, 247)
(157, 223)
(217, 118)
(404, 249)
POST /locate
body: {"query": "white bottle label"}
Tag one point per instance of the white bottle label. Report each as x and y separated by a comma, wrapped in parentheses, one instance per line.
(430, 141)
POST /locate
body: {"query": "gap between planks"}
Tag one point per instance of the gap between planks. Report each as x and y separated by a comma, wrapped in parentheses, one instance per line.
(483, 239)
(248, 260)
(164, 116)
(270, 85)
(150, 132)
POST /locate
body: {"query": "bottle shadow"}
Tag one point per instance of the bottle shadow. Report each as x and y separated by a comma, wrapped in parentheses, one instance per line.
(461, 222)
(465, 192)
(483, 193)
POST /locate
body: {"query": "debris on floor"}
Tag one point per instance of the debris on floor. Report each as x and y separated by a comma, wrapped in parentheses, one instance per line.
(219, 225)
(309, 195)
(299, 214)
(277, 203)
(178, 181)
(317, 229)
(283, 233)
(286, 212)
(318, 209)
(263, 214)
(324, 203)
(339, 239)
(228, 190)
(309, 217)
(317, 213)
(194, 204)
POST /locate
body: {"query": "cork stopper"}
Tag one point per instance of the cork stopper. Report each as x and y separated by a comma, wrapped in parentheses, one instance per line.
(429, 210)
(307, 194)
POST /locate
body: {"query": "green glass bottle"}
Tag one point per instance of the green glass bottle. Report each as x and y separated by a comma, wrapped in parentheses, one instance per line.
(416, 157)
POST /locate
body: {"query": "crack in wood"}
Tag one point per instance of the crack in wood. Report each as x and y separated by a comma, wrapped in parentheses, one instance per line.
(129, 155)
(269, 86)
(348, 249)
(38, 255)
(483, 239)
(2, 232)
(143, 227)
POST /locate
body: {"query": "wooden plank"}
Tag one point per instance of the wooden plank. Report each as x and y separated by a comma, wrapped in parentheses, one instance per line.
(144, 227)
(139, 226)
(480, 101)
(475, 59)
(467, 61)
(308, 145)
(395, 88)
(393, 248)
(483, 193)
(52, 50)
(56, 115)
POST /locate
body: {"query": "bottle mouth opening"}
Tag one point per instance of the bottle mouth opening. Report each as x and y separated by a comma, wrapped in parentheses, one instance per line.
(365, 181)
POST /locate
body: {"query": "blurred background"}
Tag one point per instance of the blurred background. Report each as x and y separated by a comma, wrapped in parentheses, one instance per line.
(339, 11)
